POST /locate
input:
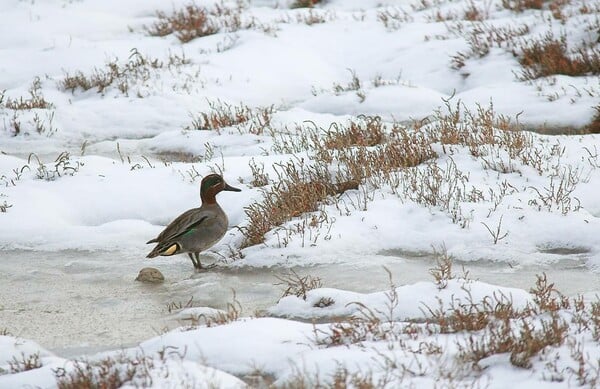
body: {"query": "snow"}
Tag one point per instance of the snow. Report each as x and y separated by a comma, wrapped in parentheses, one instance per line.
(349, 304)
(111, 168)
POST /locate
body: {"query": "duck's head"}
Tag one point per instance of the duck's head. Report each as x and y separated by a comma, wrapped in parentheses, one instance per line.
(213, 184)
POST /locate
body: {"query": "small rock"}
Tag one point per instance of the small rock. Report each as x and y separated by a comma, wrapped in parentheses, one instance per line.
(151, 275)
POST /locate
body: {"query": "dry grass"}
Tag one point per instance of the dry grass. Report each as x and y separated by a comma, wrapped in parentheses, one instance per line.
(353, 331)
(299, 190)
(138, 69)
(367, 153)
(24, 363)
(546, 297)
(443, 188)
(366, 324)
(482, 37)
(342, 164)
(487, 135)
(25, 116)
(486, 327)
(259, 177)
(366, 131)
(473, 12)
(341, 378)
(521, 339)
(456, 125)
(539, 56)
(4, 206)
(116, 372)
(311, 17)
(558, 195)
(221, 115)
(32, 122)
(190, 22)
(524, 334)
(305, 3)
(232, 312)
(555, 6)
(442, 272)
(175, 306)
(354, 85)
(490, 326)
(393, 18)
(62, 166)
(34, 101)
(471, 316)
(105, 374)
(522, 5)
(302, 188)
(594, 126)
(548, 56)
(193, 21)
(296, 285)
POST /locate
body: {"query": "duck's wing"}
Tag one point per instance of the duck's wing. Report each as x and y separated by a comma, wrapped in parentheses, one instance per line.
(182, 224)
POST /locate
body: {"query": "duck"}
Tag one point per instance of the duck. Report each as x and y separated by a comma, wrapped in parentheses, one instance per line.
(196, 229)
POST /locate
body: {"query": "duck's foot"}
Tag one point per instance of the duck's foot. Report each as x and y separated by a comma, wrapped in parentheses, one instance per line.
(205, 267)
(195, 257)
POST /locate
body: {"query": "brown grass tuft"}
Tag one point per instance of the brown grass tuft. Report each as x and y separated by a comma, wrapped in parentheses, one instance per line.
(233, 311)
(366, 131)
(442, 272)
(25, 363)
(115, 372)
(594, 126)
(521, 339)
(305, 3)
(222, 115)
(299, 190)
(188, 23)
(297, 285)
(548, 56)
(193, 21)
(138, 69)
(522, 5)
(546, 297)
(471, 316)
(35, 101)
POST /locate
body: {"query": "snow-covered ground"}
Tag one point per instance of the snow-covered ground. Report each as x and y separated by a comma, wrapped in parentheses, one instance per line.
(88, 176)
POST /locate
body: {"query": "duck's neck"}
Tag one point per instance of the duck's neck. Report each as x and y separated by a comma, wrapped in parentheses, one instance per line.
(208, 197)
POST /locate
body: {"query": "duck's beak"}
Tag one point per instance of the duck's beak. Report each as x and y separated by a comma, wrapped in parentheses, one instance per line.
(231, 188)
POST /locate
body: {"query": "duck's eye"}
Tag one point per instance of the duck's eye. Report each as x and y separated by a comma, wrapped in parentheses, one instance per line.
(209, 182)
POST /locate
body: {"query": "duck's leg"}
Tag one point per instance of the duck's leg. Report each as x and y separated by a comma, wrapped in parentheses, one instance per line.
(197, 263)
(204, 267)
(193, 260)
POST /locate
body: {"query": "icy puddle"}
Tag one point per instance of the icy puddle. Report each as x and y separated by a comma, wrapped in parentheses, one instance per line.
(75, 302)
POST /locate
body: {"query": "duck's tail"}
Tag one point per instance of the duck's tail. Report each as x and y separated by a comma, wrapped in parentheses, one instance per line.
(165, 249)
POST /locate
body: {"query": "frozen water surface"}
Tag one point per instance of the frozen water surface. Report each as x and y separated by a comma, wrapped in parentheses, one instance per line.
(75, 302)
